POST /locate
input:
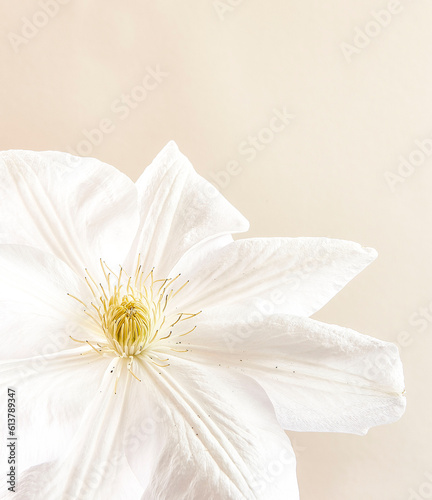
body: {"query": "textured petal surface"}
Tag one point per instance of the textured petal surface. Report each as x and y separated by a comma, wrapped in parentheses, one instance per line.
(319, 377)
(40, 483)
(93, 466)
(291, 275)
(52, 393)
(221, 438)
(38, 316)
(178, 210)
(79, 209)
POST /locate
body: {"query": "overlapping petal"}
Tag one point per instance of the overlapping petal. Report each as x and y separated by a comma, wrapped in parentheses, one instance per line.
(38, 315)
(79, 209)
(319, 377)
(93, 465)
(38, 356)
(179, 209)
(52, 393)
(220, 438)
(292, 275)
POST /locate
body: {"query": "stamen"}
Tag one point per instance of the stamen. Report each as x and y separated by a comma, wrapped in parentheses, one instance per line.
(155, 355)
(76, 298)
(91, 277)
(178, 319)
(187, 333)
(130, 314)
(110, 270)
(163, 284)
(91, 345)
(130, 368)
(167, 337)
(103, 291)
(157, 364)
(91, 288)
(80, 341)
(97, 310)
(103, 269)
(181, 288)
(154, 336)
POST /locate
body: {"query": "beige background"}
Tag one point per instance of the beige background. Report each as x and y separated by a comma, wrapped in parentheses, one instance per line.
(225, 71)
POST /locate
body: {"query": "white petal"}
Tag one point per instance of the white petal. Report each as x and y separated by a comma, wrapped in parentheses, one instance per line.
(52, 393)
(221, 438)
(40, 483)
(38, 316)
(79, 209)
(178, 210)
(291, 275)
(319, 377)
(93, 465)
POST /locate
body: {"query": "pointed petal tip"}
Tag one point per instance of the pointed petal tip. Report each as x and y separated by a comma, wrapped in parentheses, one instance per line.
(394, 414)
(171, 153)
(171, 144)
(371, 252)
(170, 148)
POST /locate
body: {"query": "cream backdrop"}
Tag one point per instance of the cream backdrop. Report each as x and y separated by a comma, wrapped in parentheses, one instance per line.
(353, 83)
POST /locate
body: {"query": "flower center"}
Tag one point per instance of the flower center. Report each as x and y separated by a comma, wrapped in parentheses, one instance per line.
(132, 316)
(127, 323)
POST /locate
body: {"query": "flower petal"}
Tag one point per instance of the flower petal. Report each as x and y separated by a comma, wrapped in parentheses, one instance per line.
(79, 209)
(38, 316)
(319, 377)
(221, 438)
(93, 465)
(291, 275)
(52, 393)
(178, 210)
(41, 483)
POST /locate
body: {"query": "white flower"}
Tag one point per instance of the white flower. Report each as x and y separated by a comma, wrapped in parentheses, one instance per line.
(154, 357)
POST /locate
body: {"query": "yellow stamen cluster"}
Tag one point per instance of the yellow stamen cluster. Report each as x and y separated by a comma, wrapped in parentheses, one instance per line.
(131, 314)
(127, 323)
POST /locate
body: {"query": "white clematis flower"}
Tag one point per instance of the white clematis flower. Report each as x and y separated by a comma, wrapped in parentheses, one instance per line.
(153, 356)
